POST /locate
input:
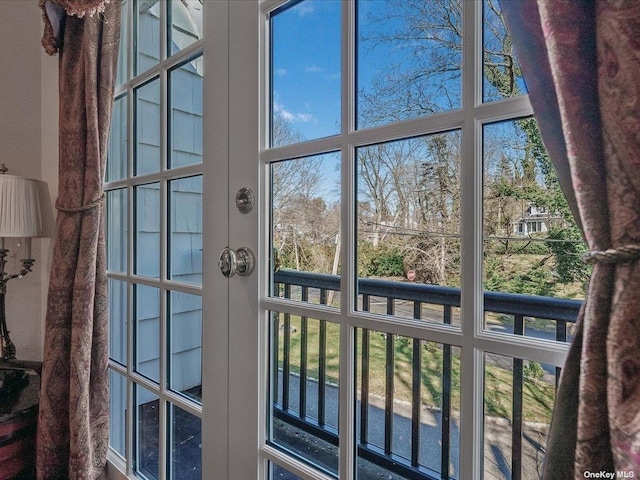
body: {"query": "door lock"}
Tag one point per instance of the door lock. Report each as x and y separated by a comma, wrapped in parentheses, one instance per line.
(242, 262)
(245, 199)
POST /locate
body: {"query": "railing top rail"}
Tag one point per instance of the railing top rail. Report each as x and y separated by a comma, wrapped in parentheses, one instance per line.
(551, 308)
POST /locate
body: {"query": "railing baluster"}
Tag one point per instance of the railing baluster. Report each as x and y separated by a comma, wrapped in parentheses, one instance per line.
(286, 347)
(416, 401)
(275, 338)
(447, 366)
(561, 331)
(389, 393)
(516, 432)
(364, 388)
(322, 372)
(304, 332)
(389, 384)
(323, 296)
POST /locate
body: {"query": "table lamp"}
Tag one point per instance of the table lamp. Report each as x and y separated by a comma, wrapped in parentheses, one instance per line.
(25, 212)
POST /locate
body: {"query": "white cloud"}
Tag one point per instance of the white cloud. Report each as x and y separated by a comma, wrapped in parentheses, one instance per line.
(313, 69)
(292, 116)
(305, 8)
(281, 72)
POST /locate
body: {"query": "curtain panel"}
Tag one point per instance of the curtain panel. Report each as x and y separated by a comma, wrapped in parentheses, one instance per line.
(581, 62)
(73, 424)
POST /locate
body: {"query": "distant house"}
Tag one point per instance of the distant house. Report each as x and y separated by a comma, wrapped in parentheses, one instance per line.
(536, 220)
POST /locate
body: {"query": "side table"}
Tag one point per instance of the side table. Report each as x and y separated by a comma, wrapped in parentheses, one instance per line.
(19, 397)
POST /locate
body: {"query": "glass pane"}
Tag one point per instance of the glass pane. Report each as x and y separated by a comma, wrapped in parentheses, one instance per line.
(409, 208)
(305, 71)
(305, 226)
(186, 24)
(185, 86)
(502, 74)
(186, 230)
(148, 34)
(118, 315)
(147, 436)
(123, 51)
(185, 339)
(409, 59)
(117, 412)
(186, 445)
(518, 404)
(117, 229)
(118, 141)
(532, 246)
(147, 128)
(147, 331)
(147, 246)
(276, 472)
(408, 407)
(304, 370)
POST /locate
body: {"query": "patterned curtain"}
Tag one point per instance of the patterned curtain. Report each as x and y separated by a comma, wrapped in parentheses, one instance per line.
(73, 425)
(581, 62)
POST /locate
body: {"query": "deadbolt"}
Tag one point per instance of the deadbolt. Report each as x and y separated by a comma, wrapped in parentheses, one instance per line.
(245, 200)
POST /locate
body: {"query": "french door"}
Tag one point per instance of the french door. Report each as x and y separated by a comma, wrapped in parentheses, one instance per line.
(184, 350)
(359, 151)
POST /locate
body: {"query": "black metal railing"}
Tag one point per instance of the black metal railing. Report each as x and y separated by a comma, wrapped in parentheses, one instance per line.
(320, 288)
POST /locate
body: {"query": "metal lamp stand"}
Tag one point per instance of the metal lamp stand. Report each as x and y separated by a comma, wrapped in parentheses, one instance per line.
(7, 348)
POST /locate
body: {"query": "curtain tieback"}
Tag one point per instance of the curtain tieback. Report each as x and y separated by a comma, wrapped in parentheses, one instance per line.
(83, 208)
(626, 253)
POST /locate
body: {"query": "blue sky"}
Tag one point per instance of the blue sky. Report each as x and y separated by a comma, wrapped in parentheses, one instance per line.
(306, 67)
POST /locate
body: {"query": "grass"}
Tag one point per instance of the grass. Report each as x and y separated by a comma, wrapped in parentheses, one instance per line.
(538, 395)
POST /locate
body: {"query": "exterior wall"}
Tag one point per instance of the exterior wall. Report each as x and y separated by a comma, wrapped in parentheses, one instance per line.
(28, 146)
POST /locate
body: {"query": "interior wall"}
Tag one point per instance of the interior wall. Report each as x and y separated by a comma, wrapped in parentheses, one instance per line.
(28, 147)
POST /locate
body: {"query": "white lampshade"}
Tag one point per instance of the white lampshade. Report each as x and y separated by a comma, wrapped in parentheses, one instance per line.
(25, 208)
